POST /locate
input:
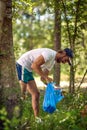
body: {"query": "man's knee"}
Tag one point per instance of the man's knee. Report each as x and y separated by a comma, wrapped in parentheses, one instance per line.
(36, 95)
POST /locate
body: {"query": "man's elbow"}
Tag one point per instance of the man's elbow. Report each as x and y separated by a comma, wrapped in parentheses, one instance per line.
(32, 66)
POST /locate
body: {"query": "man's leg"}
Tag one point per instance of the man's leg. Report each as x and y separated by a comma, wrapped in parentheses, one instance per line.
(23, 88)
(33, 90)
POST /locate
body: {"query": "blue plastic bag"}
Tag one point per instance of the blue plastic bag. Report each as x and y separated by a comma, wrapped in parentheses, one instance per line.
(51, 98)
(49, 104)
(58, 95)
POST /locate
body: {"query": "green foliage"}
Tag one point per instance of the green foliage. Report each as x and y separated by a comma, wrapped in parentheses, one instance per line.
(66, 117)
(4, 121)
(31, 34)
(34, 28)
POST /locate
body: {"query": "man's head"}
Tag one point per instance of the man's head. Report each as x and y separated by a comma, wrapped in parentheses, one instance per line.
(64, 56)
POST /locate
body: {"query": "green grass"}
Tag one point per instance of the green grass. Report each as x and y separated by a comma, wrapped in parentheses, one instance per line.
(66, 117)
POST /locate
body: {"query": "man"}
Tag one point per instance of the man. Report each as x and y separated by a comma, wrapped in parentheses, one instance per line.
(40, 61)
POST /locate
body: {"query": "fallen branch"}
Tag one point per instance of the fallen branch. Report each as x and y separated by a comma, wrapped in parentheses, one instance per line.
(82, 79)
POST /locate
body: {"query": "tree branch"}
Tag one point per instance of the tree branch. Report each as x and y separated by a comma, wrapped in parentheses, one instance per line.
(76, 20)
(68, 29)
(82, 80)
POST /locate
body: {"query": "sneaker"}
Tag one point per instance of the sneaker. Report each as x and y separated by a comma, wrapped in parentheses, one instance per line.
(38, 120)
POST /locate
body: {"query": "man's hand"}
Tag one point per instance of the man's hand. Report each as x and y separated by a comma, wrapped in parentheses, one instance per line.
(46, 79)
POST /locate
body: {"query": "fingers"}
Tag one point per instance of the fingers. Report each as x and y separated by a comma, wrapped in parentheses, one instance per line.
(49, 79)
(43, 80)
(46, 80)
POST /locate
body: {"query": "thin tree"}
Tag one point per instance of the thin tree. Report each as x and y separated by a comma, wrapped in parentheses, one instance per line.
(72, 40)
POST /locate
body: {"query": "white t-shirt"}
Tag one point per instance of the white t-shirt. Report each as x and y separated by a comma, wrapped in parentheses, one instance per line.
(29, 57)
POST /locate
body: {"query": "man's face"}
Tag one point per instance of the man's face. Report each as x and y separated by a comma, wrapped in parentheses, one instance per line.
(63, 59)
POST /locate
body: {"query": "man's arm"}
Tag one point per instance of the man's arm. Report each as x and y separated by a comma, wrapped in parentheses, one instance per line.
(46, 72)
(36, 66)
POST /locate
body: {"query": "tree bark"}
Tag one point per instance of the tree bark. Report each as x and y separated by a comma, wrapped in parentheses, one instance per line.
(57, 39)
(7, 60)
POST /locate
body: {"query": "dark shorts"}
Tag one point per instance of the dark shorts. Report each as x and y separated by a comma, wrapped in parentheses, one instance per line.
(24, 74)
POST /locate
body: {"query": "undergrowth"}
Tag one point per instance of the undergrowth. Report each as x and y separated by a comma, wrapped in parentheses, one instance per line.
(66, 117)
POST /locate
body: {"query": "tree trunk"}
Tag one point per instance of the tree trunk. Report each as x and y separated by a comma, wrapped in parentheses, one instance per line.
(72, 41)
(7, 60)
(72, 78)
(57, 39)
(72, 45)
